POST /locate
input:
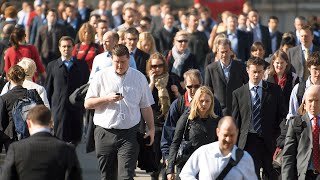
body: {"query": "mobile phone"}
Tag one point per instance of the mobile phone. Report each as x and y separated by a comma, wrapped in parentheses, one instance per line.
(119, 94)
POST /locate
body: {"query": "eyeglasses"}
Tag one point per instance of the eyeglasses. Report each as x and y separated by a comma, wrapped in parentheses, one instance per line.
(183, 40)
(155, 66)
(196, 86)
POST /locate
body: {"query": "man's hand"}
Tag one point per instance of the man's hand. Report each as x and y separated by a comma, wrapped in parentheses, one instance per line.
(171, 176)
(113, 97)
(150, 134)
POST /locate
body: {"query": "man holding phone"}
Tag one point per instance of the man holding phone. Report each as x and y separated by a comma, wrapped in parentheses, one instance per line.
(117, 94)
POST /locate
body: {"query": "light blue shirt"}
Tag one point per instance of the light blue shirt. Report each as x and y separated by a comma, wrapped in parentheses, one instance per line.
(257, 36)
(207, 162)
(293, 103)
(104, 60)
(234, 41)
(226, 70)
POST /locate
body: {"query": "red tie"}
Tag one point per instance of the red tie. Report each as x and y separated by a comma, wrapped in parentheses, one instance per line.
(315, 151)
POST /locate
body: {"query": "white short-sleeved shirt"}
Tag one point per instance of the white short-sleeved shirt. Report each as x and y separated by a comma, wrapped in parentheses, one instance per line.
(123, 114)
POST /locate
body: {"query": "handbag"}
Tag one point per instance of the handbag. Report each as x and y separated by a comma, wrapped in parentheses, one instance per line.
(185, 148)
(277, 158)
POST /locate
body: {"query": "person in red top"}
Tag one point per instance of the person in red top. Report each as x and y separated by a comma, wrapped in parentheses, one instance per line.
(86, 49)
(19, 50)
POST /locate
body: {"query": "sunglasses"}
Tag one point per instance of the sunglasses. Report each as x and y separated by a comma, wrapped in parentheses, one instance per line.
(183, 40)
(196, 86)
(157, 66)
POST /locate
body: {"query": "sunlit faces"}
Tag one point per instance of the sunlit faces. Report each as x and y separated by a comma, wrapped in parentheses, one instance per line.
(253, 17)
(131, 41)
(157, 66)
(306, 37)
(312, 101)
(51, 17)
(224, 52)
(280, 65)
(192, 85)
(227, 135)
(193, 21)
(259, 52)
(204, 103)
(120, 64)
(146, 46)
(181, 43)
(108, 42)
(314, 73)
(255, 73)
(66, 48)
(129, 16)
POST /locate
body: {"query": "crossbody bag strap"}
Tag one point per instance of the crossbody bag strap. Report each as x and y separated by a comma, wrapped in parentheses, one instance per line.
(231, 164)
(185, 130)
(85, 55)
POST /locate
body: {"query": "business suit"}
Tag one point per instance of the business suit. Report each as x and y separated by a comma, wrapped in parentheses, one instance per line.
(244, 45)
(36, 23)
(60, 84)
(141, 60)
(164, 39)
(41, 156)
(297, 60)
(297, 153)
(265, 39)
(215, 78)
(260, 147)
(47, 42)
(278, 37)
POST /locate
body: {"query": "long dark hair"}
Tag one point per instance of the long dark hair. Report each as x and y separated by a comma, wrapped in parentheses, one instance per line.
(283, 56)
(16, 36)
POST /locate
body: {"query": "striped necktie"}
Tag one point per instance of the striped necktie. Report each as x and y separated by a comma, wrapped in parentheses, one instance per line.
(256, 111)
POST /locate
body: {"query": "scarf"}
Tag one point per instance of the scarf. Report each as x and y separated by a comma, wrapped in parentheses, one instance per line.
(179, 60)
(281, 81)
(164, 100)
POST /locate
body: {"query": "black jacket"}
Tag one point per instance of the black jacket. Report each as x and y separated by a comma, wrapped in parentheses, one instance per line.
(199, 132)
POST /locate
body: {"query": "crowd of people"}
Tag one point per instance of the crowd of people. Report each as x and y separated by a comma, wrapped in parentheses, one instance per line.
(174, 92)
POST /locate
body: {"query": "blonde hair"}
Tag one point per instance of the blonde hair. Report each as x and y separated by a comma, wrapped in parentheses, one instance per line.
(86, 27)
(194, 106)
(29, 66)
(216, 40)
(181, 33)
(146, 36)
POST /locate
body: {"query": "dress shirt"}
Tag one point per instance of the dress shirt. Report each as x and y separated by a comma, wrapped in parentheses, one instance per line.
(168, 29)
(257, 36)
(123, 114)
(226, 69)
(38, 130)
(207, 162)
(293, 103)
(67, 63)
(298, 37)
(273, 40)
(304, 51)
(252, 93)
(104, 60)
(234, 41)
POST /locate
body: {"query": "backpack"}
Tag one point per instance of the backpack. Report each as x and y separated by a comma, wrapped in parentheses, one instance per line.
(300, 92)
(96, 50)
(20, 111)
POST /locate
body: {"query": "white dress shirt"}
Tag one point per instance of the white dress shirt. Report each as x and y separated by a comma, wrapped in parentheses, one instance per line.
(208, 162)
(123, 114)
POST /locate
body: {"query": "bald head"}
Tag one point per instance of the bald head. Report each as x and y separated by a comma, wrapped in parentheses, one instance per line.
(312, 100)
(227, 121)
(227, 133)
(110, 39)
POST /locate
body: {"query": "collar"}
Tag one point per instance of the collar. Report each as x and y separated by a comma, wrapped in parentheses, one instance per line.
(310, 48)
(311, 116)
(224, 66)
(108, 54)
(232, 154)
(47, 130)
(189, 97)
(272, 32)
(254, 26)
(10, 19)
(134, 51)
(168, 29)
(252, 85)
(65, 59)
(231, 33)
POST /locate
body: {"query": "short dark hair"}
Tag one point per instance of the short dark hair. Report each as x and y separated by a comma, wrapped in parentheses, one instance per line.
(120, 50)
(255, 61)
(66, 38)
(314, 59)
(307, 28)
(133, 31)
(146, 18)
(40, 115)
(288, 40)
(52, 10)
(274, 18)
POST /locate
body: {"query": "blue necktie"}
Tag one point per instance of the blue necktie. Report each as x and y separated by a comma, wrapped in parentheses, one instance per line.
(256, 111)
(68, 64)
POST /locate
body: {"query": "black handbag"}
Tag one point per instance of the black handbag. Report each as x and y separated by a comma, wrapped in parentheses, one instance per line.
(3, 81)
(185, 148)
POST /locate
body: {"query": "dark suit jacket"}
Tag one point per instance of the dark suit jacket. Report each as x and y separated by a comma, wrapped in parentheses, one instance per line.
(297, 153)
(36, 23)
(265, 39)
(214, 78)
(141, 60)
(272, 113)
(296, 58)
(243, 45)
(39, 157)
(164, 39)
(278, 35)
(47, 43)
(60, 84)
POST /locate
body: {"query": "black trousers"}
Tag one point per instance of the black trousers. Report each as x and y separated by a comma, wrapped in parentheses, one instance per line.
(261, 155)
(117, 152)
(310, 175)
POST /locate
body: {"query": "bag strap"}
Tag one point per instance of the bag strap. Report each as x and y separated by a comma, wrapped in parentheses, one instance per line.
(168, 57)
(231, 164)
(85, 55)
(185, 130)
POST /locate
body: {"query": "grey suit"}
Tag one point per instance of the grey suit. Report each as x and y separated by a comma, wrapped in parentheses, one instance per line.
(297, 60)
(297, 153)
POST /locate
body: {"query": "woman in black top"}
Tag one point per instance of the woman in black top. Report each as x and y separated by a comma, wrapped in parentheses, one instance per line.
(201, 127)
(16, 76)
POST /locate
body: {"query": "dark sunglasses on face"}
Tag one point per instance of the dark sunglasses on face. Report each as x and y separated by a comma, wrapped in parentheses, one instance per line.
(157, 66)
(196, 86)
(183, 40)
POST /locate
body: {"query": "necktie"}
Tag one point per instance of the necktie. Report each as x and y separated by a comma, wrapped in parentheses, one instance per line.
(315, 150)
(131, 54)
(306, 72)
(256, 111)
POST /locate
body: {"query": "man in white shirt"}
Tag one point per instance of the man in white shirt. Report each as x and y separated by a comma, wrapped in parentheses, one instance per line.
(119, 95)
(103, 60)
(208, 161)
